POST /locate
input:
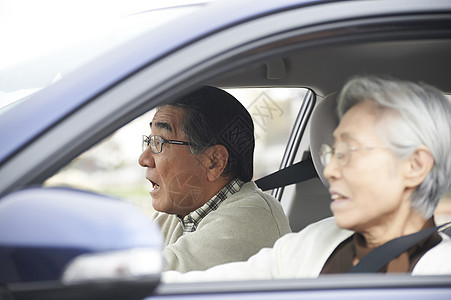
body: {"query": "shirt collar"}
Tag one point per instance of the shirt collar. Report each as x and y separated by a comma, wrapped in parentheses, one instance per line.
(191, 221)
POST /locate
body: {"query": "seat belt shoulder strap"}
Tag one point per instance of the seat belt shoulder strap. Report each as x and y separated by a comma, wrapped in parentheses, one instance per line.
(382, 255)
(298, 172)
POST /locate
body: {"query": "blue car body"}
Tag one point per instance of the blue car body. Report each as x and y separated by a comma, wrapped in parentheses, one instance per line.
(46, 114)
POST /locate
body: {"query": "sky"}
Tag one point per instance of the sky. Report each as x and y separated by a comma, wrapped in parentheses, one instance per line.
(29, 28)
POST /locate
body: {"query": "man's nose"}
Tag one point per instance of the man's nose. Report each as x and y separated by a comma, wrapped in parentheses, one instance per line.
(146, 159)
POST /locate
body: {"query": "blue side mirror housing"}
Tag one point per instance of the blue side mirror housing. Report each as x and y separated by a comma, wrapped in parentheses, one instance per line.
(68, 243)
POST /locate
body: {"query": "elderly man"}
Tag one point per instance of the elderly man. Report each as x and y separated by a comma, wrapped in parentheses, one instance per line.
(199, 160)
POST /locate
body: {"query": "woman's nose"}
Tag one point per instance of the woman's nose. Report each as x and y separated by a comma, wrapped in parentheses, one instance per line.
(331, 170)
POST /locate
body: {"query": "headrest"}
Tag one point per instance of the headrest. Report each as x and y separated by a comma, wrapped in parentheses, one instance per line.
(323, 122)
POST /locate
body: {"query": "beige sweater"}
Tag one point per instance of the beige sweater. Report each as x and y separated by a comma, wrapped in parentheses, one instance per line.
(244, 223)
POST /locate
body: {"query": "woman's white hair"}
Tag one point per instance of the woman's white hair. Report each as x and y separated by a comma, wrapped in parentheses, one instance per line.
(422, 116)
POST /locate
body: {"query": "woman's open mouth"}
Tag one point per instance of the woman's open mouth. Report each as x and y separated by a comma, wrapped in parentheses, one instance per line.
(336, 196)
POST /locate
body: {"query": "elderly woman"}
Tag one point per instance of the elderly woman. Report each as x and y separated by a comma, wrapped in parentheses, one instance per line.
(387, 169)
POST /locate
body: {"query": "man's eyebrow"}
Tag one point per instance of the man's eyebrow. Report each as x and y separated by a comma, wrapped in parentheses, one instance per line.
(162, 125)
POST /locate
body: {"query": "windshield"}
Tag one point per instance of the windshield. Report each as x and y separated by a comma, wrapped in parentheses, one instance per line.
(42, 41)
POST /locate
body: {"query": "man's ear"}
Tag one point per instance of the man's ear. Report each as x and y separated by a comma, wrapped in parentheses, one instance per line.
(217, 157)
(418, 166)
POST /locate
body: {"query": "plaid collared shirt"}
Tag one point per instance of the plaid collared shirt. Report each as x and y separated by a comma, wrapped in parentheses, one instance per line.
(192, 220)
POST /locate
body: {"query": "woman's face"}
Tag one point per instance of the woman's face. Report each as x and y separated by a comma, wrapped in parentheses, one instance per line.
(367, 188)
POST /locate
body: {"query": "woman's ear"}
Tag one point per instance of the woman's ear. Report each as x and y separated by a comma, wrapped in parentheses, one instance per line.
(217, 158)
(419, 164)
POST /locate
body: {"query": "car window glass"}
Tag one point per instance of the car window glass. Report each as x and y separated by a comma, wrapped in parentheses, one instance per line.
(111, 167)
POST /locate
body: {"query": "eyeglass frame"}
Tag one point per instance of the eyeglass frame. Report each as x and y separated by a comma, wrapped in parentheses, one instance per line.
(146, 142)
(327, 149)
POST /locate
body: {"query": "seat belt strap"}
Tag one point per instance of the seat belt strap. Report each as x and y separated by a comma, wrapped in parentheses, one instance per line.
(301, 171)
(382, 255)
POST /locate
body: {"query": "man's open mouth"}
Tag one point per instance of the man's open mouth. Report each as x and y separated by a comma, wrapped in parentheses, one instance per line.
(155, 185)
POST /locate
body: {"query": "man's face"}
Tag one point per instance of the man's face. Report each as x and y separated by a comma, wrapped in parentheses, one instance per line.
(178, 177)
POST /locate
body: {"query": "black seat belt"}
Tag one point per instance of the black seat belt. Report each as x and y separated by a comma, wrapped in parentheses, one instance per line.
(301, 171)
(382, 255)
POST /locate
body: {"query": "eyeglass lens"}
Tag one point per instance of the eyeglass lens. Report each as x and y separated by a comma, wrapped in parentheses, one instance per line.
(340, 150)
(155, 142)
(325, 154)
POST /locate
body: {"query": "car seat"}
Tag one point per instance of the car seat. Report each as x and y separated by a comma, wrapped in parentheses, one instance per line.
(312, 198)
(323, 122)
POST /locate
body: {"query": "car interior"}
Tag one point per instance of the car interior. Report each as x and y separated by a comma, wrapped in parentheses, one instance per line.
(324, 70)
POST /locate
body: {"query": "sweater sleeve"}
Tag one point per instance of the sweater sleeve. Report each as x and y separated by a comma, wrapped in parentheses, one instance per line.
(263, 265)
(295, 255)
(232, 233)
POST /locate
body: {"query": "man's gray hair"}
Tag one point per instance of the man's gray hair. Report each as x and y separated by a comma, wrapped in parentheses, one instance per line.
(422, 116)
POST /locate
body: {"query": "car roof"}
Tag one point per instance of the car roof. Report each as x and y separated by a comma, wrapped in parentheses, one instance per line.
(325, 69)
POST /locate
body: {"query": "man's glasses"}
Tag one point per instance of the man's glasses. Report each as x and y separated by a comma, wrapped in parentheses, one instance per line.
(156, 143)
(342, 152)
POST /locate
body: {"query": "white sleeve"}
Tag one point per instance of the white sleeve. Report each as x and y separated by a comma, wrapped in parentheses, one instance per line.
(437, 260)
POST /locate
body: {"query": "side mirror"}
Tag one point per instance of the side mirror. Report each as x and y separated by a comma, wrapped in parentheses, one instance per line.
(60, 243)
